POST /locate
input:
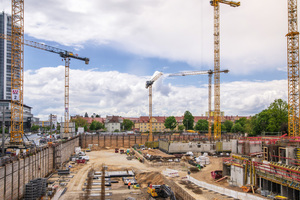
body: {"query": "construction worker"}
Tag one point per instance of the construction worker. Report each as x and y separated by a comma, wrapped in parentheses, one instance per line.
(129, 185)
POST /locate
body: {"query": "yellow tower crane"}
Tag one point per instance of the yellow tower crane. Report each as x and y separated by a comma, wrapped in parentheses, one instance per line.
(210, 73)
(149, 85)
(217, 114)
(17, 71)
(66, 55)
(293, 69)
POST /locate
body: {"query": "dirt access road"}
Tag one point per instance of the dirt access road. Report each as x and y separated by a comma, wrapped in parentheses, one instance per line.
(145, 175)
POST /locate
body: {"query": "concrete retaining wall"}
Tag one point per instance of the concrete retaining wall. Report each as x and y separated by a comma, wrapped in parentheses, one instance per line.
(225, 191)
(14, 175)
(127, 141)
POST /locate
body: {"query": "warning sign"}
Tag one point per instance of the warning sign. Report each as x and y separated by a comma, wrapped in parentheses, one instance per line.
(15, 94)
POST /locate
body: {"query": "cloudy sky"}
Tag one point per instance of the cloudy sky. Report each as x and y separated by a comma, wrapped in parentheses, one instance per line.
(128, 40)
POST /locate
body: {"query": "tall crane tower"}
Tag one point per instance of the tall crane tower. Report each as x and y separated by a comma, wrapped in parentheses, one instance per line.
(210, 73)
(17, 100)
(149, 85)
(293, 69)
(17, 72)
(66, 55)
(217, 114)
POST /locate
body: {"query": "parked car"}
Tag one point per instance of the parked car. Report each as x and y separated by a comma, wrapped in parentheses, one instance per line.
(84, 157)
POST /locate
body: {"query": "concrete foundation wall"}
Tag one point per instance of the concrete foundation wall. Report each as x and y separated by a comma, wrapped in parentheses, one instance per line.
(163, 145)
(127, 141)
(180, 147)
(247, 147)
(237, 176)
(14, 175)
(234, 146)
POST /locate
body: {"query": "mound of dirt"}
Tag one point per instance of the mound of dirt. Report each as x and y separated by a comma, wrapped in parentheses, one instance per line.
(146, 178)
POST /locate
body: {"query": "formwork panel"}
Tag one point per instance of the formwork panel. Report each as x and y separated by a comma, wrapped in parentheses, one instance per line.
(8, 185)
(2, 188)
(2, 172)
(101, 142)
(144, 139)
(15, 182)
(21, 177)
(8, 169)
(26, 170)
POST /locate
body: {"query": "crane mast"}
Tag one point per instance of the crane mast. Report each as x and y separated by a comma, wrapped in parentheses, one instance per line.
(66, 55)
(149, 85)
(217, 113)
(293, 69)
(17, 72)
(210, 73)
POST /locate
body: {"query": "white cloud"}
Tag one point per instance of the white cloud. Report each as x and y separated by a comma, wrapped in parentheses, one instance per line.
(115, 93)
(252, 37)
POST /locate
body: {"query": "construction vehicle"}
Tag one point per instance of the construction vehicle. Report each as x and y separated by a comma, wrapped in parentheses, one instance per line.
(149, 85)
(217, 174)
(163, 191)
(210, 73)
(217, 112)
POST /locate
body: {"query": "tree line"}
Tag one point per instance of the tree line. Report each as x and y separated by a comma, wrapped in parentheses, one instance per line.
(272, 121)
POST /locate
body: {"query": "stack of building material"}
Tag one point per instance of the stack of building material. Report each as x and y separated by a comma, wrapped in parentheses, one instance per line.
(35, 189)
(203, 160)
(170, 173)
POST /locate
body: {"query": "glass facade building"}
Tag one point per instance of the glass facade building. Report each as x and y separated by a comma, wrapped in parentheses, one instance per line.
(5, 58)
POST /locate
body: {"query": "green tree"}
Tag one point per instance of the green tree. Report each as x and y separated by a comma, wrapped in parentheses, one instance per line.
(117, 130)
(272, 119)
(99, 125)
(79, 122)
(127, 124)
(201, 125)
(228, 125)
(86, 115)
(98, 116)
(93, 126)
(35, 127)
(188, 120)
(171, 123)
(236, 128)
(181, 127)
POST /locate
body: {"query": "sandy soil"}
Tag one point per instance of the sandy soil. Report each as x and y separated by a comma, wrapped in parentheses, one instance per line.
(144, 175)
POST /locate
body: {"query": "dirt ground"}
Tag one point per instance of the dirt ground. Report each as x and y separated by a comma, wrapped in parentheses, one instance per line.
(144, 176)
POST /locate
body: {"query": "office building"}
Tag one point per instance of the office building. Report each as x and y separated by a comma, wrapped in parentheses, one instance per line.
(5, 58)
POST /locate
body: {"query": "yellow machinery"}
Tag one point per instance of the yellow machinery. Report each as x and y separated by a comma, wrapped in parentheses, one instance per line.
(217, 114)
(149, 85)
(210, 73)
(293, 69)
(152, 192)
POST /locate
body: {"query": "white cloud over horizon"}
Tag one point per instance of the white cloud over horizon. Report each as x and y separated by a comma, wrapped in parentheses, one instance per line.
(251, 39)
(115, 93)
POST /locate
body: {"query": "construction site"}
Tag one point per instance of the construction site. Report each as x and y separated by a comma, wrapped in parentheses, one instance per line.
(212, 166)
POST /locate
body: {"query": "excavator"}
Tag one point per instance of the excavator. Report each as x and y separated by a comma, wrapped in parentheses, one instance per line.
(162, 191)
